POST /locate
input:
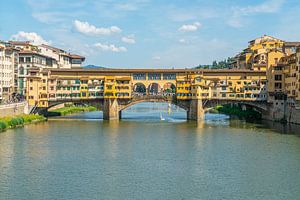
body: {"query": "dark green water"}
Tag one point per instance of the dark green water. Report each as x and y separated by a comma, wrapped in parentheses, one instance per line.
(142, 157)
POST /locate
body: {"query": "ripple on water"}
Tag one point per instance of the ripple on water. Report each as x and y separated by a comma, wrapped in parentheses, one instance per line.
(142, 157)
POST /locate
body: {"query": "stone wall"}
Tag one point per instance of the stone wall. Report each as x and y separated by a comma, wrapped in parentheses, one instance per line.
(281, 110)
(14, 109)
(57, 107)
(293, 114)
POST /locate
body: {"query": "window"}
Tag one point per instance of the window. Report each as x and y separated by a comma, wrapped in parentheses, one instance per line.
(278, 77)
(21, 59)
(278, 85)
(154, 76)
(21, 70)
(169, 76)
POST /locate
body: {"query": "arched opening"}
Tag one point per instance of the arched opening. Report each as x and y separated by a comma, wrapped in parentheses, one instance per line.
(154, 89)
(240, 110)
(139, 89)
(156, 111)
(169, 89)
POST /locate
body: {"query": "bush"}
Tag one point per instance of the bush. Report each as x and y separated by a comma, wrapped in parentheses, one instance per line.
(16, 121)
(3, 125)
(11, 122)
(70, 110)
(237, 111)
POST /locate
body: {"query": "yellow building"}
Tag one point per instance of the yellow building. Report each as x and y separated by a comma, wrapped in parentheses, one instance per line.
(257, 55)
(48, 85)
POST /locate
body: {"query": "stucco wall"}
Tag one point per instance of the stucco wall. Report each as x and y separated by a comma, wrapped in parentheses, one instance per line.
(13, 109)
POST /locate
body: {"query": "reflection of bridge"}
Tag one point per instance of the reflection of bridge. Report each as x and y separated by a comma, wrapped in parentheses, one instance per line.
(115, 90)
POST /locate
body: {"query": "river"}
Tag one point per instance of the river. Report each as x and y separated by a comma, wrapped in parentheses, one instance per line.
(144, 157)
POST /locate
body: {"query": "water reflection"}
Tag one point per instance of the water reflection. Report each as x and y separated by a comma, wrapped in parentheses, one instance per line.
(152, 113)
(142, 157)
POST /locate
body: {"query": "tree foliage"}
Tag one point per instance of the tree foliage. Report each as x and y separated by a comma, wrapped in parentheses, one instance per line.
(224, 64)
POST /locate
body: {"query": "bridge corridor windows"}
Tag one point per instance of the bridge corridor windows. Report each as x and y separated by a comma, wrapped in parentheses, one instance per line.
(154, 76)
(139, 76)
(122, 94)
(169, 76)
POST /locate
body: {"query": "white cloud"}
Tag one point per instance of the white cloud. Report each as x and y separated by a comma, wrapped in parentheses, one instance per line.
(88, 29)
(129, 39)
(182, 41)
(156, 58)
(270, 6)
(126, 7)
(29, 36)
(110, 47)
(190, 27)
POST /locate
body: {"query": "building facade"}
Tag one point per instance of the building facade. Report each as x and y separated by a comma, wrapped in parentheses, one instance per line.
(31, 56)
(8, 62)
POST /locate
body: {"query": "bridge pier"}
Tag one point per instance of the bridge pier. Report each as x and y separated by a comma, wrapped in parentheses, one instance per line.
(195, 111)
(120, 114)
(111, 109)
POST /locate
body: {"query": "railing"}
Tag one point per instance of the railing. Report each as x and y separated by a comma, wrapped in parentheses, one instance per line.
(33, 109)
(165, 97)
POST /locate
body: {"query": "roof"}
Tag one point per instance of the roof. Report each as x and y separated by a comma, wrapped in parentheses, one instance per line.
(76, 56)
(73, 56)
(264, 38)
(51, 47)
(8, 47)
(292, 44)
(122, 71)
(19, 42)
(33, 52)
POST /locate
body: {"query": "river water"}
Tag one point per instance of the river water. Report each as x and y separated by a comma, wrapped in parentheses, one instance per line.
(144, 157)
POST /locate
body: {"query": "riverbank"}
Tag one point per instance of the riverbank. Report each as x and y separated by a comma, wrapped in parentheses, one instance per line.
(19, 120)
(68, 110)
(237, 111)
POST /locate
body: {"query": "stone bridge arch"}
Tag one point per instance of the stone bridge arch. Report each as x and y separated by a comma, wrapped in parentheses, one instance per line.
(166, 99)
(95, 103)
(260, 106)
(112, 108)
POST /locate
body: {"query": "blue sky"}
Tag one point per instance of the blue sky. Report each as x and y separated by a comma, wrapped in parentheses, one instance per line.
(149, 33)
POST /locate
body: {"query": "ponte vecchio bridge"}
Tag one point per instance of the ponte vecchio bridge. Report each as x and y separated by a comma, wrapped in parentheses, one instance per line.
(113, 90)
